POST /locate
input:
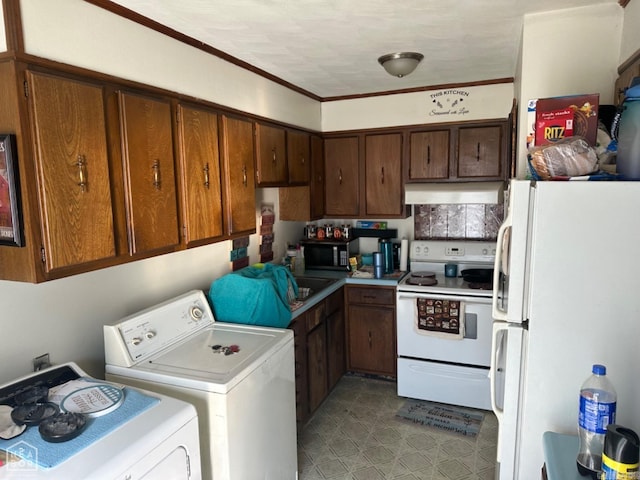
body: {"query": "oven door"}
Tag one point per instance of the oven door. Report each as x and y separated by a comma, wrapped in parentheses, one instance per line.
(473, 349)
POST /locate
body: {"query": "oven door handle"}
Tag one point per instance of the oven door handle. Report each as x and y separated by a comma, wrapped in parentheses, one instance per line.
(460, 298)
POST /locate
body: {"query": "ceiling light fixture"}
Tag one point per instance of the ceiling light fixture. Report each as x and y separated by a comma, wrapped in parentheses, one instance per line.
(400, 64)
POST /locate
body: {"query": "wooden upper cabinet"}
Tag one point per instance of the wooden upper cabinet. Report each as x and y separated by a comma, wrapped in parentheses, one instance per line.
(429, 158)
(624, 80)
(316, 183)
(481, 151)
(150, 184)
(199, 175)
(383, 174)
(298, 157)
(238, 172)
(341, 176)
(69, 132)
(271, 160)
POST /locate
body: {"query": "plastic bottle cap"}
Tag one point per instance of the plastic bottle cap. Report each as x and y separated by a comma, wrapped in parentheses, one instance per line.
(599, 369)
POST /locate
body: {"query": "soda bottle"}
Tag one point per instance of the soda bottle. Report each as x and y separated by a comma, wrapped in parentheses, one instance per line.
(597, 410)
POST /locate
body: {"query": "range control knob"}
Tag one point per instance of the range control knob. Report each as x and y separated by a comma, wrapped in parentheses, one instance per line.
(135, 341)
(485, 251)
(196, 313)
(150, 334)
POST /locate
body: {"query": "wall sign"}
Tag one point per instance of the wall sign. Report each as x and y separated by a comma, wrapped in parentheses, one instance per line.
(10, 212)
(450, 102)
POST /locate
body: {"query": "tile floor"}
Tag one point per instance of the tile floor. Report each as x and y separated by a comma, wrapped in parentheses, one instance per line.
(355, 435)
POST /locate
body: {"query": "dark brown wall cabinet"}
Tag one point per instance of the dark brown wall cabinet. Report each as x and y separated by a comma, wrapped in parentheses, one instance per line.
(470, 151)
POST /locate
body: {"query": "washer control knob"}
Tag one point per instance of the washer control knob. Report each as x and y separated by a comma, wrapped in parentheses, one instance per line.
(150, 334)
(196, 313)
(135, 341)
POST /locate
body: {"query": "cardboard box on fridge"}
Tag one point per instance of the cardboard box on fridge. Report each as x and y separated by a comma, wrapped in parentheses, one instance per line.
(585, 114)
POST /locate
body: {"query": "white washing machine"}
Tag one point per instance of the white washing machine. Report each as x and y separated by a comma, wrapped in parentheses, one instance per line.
(239, 377)
(143, 435)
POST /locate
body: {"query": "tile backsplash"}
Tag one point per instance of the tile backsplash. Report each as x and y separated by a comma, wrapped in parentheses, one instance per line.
(458, 221)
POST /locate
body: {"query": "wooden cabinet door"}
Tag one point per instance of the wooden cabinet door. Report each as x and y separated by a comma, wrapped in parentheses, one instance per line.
(336, 341)
(336, 352)
(372, 345)
(150, 184)
(238, 171)
(73, 170)
(317, 365)
(271, 160)
(429, 158)
(302, 391)
(383, 174)
(199, 160)
(480, 152)
(341, 177)
(317, 178)
(298, 157)
(624, 80)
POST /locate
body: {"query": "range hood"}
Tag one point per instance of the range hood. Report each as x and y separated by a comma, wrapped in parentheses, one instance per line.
(469, 192)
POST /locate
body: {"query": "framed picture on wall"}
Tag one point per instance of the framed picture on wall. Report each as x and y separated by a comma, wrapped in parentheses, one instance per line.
(10, 211)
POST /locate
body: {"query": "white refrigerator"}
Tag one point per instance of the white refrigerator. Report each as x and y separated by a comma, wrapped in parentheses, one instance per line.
(566, 295)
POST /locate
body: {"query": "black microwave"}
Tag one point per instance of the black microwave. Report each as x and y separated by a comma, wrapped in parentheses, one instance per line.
(328, 254)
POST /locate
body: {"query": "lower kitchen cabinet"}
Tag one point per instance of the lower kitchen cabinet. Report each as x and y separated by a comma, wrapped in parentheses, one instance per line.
(319, 341)
(316, 355)
(371, 330)
(336, 343)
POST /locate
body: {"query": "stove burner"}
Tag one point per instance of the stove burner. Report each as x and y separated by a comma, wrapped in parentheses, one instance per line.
(422, 281)
(423, 274)
(481, 285)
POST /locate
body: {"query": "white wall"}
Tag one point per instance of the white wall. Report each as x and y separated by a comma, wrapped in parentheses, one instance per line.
(78, 33)
(432, 106)
(568, 52)
(630, 31)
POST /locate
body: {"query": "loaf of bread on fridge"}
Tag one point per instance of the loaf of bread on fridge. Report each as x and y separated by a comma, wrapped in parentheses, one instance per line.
(569, 157)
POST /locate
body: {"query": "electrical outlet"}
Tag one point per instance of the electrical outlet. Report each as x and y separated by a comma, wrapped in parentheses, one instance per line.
(41, 362)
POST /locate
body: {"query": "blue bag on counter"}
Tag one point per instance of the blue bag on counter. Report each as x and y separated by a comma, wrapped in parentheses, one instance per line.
(255, 295)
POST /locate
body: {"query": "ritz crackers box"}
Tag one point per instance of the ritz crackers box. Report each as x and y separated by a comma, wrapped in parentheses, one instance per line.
(585, 116)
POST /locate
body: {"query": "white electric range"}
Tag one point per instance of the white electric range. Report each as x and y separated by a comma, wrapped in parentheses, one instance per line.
(240, 378)
(444, 324)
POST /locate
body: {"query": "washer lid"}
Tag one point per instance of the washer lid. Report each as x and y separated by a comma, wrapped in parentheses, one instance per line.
(215, 359)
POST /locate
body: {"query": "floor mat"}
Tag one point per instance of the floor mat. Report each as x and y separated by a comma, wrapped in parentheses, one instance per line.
(454, 419)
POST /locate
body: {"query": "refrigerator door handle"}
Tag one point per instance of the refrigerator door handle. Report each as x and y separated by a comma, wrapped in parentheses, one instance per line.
(496, 352)
(497, 342)
(502, 244)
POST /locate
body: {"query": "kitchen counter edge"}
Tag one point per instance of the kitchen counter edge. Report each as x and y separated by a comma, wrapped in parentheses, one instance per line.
(342, 280)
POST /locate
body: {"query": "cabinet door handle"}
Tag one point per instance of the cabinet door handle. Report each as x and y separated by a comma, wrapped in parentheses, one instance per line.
(478, 152)
(244, 175)
(206, 175)
(302, 159)
(370, 340)
(340, 175)
(382, 176)
(274, 155)
(156, 174)
(428, 154)
(82, 172)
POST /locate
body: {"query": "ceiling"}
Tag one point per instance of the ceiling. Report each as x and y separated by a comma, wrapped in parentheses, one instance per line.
(330, 48)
